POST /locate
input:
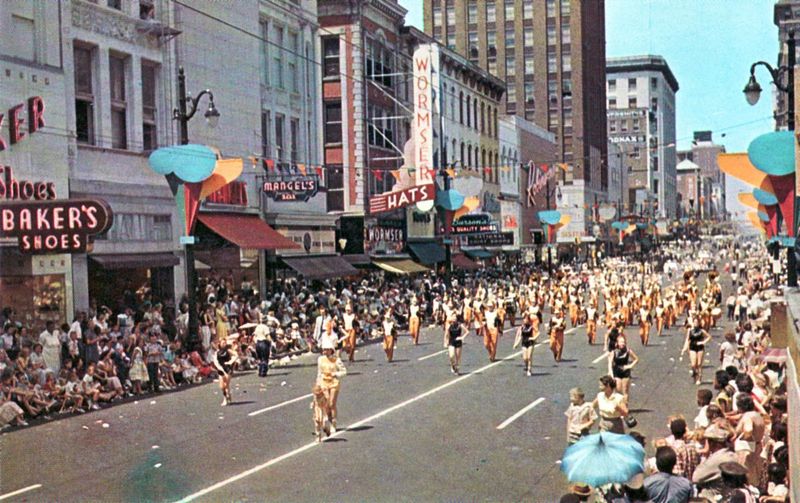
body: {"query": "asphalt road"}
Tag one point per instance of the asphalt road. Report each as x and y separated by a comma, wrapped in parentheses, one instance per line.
(409, 430)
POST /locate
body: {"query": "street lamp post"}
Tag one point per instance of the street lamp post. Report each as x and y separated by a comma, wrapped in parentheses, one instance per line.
(187, 107)
(752, 92)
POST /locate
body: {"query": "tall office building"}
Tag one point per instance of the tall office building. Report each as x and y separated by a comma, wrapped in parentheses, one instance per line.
(551, 54)
(641, 120)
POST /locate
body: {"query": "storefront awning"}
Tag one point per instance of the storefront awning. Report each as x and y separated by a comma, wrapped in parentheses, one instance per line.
(404, 266)
(135, 260)
(462, 262)
(479, 254)
(358, 259)
(428, 253)
(321, 267)
(247, 231)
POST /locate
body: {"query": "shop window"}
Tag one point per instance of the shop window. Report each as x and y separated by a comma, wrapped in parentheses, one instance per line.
(333, 122)
(84, 94)
(149, 131)
(119, 105)
(36, 299)
(330, 50)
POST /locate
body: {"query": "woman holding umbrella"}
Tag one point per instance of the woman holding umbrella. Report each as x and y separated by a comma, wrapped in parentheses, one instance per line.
(611, 406)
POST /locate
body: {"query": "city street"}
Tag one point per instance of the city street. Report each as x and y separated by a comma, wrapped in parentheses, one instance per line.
(409, 431)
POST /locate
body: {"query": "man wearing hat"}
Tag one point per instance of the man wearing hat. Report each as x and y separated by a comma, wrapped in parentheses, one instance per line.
(707, 476)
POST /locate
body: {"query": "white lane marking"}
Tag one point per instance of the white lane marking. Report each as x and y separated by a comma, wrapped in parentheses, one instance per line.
(520, 413)
(277, 406)
(604, 355)
(20, 491)
(306, 447)
(432, 355)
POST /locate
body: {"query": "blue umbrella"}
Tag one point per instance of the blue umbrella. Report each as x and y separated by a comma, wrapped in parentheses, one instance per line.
(603, 458)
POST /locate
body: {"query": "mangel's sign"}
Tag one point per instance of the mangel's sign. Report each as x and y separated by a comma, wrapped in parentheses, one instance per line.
(301, 189)
(389, 201)
(61, 226)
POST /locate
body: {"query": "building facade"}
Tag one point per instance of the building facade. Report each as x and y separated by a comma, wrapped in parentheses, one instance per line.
(695, 190)
(704, 153)
(641, 119)
(551, 56)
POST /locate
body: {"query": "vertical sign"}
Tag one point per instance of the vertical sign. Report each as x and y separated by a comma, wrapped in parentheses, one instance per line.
(426, 84)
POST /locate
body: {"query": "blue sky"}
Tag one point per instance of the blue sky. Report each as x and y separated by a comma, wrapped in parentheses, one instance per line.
(709, 45)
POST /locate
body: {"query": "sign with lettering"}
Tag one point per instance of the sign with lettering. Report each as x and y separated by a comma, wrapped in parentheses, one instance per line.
(389, 201)
(24, 190)
(426, 59)
(61, 226)
(472, 224)
(16, 123)
(296, 189)
(628, 138)
(491, 239)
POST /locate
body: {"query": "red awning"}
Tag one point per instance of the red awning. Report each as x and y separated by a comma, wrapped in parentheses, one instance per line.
(246, 231)
(462, 262)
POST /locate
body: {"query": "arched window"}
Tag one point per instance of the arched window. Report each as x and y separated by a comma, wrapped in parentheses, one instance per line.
(453, 153)
(489, 120)
(469, 156)
(483, 118)
(483, 163)
(461, 107)
(453, 103)
(475, 113)
(495, 123)
(469, 115)
(463, 157)
(496, 166)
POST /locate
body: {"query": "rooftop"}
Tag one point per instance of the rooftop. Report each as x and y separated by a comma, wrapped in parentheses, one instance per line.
(646, 62)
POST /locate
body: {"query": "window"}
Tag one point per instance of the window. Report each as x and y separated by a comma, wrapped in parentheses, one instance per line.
(469, 115)
(294, 84)
(528, 36)
(23, 32)
(636, 126)
(612, 85)
(632, 102)
(483, 118)
(149, 136)
(461, 107)
(119, 130)
(552, 63)
(528, 66)
(653, 83)
(493, 67)
(451, 39)
(279, 155)
(566, 38)
(335, 188)
(84, 96)
(333, 122)
(491, 41)
(451, 15)
(528, 95)
(654, 104)
(527, 9)
(551, 35)
(147, 10)
(452, 99)
(266, 126)
(623, 125)
(491, 12)
(612, 127)
(277, 58)
(472, 12)
(612, 102)
(566, 63)
(475, 113)
(509, 10)
(472, 40)
(330, 51)
(509, 39)
(511, 66)
(631, 84)
(565, 7)
(511, 94)
(551, 8)
(294, 128)
(437, 16)
(264, 52)
(114, 4)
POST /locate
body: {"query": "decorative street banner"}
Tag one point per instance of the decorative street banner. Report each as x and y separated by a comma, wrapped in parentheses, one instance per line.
(490, 239)
(389, 201)
(473, 224)
(60, 226)
(538, 175)
(298, 189)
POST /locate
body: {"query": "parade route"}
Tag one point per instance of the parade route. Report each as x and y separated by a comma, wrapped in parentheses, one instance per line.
(490, 433)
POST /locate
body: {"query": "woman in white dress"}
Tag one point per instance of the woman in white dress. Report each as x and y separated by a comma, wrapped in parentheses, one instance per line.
(51, 347)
